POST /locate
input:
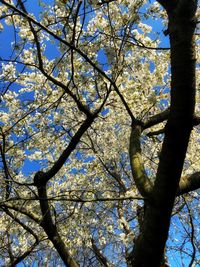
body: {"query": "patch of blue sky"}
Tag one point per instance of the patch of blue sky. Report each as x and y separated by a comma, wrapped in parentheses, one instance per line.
(10, 33)
(75, 170)
(26, 98)
(102, 60)
(163, 104)
(6, 39)
(3, 106)
(37, 7)
(82, 156)
(105, 112)
(30, 166)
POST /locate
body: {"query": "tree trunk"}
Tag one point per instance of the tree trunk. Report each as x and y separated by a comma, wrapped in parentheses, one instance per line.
(150, 245)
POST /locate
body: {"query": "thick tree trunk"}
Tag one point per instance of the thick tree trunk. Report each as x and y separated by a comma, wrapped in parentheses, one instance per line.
(149, 248)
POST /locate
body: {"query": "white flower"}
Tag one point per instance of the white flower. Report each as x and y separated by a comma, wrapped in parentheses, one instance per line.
(122, 236)
(102, 240)
(8, 71)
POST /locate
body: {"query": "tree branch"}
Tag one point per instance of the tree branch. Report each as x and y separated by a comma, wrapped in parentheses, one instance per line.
(196, 121)
(65, 154)
(51, 229)
(189, 183)
(140, 177)
(192, 235)
(101, 258)
(81, 107)
(168, 4)
(22, 210)
(161, 117)
(46, 176)
(156, 119)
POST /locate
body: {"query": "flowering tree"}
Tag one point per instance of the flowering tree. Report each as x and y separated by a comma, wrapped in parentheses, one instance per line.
(96, 118)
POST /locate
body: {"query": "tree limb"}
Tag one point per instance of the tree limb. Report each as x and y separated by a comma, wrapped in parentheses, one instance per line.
(51, 229)
(196, 121)
(22, 210)
(65, 154)
(140, 177)
(101, 258)
(168, 4)
(156, 119)
(161, 117)
(189, 183)
(46, 176)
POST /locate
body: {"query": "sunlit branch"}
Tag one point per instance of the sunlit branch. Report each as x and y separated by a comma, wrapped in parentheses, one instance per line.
(189, 183)
(21, 209)
(140, 177)
(125, 225)
(155, 230)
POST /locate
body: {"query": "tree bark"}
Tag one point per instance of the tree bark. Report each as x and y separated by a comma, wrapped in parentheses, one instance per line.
(49, 226)
(150, 245)
(189, 183)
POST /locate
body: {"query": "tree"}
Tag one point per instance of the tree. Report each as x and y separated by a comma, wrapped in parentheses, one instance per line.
(94, 133)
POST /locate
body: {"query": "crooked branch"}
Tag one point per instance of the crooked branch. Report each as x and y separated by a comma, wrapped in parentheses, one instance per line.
(140, 177)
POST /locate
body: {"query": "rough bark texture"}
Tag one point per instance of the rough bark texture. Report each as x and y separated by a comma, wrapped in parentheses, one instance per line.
(149, 248)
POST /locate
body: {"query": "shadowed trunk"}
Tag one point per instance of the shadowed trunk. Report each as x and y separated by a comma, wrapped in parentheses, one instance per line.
(149, 248)
(49, 226)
